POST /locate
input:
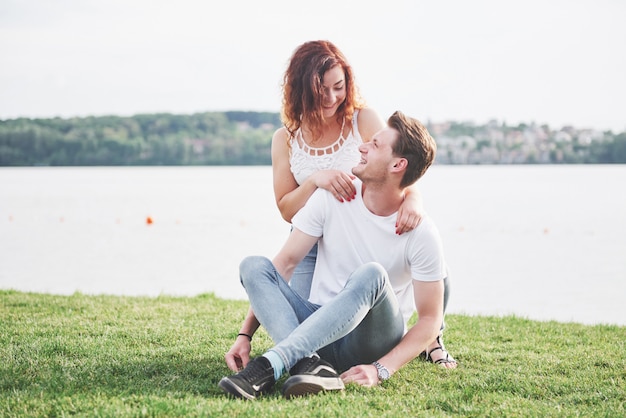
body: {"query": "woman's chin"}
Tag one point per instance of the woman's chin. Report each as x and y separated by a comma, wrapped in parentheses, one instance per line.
(330, 112)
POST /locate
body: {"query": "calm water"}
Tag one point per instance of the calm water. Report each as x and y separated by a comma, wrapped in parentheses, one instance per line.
(543, 242)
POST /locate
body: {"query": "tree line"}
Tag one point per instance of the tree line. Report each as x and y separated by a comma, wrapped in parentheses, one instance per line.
(211, 138)
(244, 138)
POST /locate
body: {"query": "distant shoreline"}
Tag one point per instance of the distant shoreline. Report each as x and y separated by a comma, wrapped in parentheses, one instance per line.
(243, 138)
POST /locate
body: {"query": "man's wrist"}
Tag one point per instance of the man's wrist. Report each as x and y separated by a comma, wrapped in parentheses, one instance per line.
(243, 334)
(383, 372)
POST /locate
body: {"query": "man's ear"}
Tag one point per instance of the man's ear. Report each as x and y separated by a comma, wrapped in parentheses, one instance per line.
(401, 164)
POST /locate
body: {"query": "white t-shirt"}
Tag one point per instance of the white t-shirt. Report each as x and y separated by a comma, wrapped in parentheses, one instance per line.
(351, 235)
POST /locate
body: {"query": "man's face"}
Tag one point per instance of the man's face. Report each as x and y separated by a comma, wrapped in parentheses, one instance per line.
(376, 156)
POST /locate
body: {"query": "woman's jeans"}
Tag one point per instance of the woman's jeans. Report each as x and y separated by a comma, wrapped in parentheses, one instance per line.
(303, 274)
(359, 325)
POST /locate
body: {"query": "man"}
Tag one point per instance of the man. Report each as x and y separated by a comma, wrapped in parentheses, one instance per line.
(367, 282)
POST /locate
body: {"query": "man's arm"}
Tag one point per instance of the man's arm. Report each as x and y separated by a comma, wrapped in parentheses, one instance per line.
(297, 246)
(429, 303)
(294, 250)
(239, 354)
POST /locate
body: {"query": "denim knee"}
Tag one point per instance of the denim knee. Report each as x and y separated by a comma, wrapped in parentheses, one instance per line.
(371, 276)
(251, 266)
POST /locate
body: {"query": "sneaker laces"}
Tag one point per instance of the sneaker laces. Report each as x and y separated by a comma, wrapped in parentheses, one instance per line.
(256, 369)
(313, 365)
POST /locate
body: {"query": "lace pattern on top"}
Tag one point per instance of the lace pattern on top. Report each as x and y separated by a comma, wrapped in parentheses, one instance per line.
(343, 154)
(317, 152)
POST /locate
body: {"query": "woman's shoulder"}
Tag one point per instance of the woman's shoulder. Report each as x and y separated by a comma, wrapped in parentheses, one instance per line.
(368, 115)
(281, 134)
(280, 143)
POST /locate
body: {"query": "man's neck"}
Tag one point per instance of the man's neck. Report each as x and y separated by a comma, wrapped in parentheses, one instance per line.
(382, 199)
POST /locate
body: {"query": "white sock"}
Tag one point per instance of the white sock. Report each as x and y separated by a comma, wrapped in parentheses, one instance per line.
(276, 362)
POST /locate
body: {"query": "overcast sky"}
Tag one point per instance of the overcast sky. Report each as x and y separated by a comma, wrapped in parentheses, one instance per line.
(558, 62)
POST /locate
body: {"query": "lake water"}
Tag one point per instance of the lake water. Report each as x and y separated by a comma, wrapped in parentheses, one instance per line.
(542, 242)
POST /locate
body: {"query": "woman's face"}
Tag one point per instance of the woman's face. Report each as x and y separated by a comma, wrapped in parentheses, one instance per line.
(334, 88)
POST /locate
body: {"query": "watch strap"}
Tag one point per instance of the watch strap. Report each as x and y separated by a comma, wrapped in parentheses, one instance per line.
(383, 373)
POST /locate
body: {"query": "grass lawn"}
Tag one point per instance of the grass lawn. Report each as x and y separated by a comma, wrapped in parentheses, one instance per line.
(131, 356)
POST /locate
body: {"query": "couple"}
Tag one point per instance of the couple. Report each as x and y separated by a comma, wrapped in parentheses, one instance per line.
(368, 281)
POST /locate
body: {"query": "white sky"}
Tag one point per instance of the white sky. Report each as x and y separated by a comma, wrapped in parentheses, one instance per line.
(545, 61)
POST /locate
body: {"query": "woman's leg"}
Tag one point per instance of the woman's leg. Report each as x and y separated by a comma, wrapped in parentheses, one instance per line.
(436, 351)
(303, 274)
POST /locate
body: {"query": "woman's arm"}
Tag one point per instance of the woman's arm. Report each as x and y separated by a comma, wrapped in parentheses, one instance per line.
(369, 123)
(411, 211)
(291, 197)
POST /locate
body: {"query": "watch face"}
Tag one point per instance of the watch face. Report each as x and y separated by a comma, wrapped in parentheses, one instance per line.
(383, 373)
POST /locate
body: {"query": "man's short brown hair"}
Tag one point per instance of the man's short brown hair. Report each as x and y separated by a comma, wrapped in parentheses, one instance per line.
(413, 143)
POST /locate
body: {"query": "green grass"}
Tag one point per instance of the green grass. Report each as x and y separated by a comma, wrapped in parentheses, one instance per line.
(128, 356)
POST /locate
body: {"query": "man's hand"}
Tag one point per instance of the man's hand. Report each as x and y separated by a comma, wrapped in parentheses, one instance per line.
(239, 354)
(363, 374)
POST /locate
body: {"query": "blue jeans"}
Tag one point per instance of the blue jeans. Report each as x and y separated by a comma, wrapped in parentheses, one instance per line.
(359, 325)
(303, 274)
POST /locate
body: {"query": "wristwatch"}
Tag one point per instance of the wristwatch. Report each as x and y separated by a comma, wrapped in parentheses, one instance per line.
(383, 373)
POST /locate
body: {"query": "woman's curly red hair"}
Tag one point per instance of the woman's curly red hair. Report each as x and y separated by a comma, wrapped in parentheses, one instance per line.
(303, 90)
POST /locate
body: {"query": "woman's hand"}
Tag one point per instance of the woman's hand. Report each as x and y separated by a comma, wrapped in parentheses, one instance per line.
(239, 354)
(337, 182)
(410, 213)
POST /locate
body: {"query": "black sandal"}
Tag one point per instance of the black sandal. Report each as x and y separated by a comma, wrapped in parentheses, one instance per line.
(444, 360)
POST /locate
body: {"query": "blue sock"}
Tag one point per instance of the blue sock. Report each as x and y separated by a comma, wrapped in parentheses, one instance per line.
(276, 362)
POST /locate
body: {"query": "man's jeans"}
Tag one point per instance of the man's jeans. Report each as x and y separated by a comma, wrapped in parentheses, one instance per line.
(359, 325)
(303, 275)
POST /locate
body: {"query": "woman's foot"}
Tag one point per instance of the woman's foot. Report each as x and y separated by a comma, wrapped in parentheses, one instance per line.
(436, 353)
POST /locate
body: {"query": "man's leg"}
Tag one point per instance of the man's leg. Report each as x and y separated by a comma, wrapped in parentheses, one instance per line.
(276, 305)
(279, 309)
(366, 290)
(361, 323)
(374, 336)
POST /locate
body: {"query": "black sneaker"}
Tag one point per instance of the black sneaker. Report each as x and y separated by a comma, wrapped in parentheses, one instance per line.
(311, 375)
(255, 379)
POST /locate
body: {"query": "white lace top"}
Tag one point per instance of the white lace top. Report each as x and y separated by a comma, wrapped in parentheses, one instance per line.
(342, 155)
